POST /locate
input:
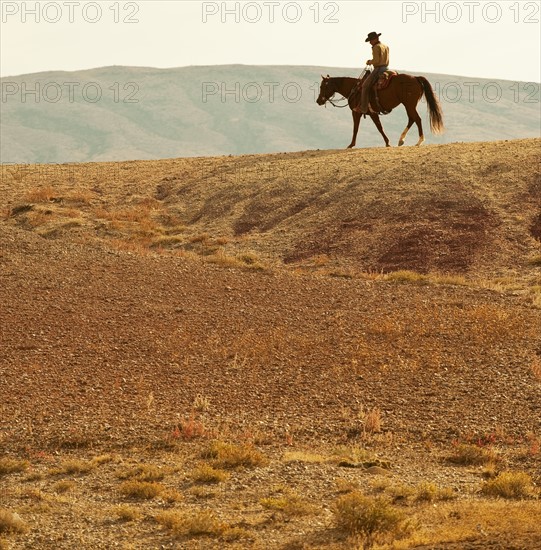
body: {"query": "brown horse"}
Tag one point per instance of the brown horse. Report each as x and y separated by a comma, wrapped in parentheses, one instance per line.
(403, 89)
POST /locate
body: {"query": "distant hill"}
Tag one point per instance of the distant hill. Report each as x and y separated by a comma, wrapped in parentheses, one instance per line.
(119, 113)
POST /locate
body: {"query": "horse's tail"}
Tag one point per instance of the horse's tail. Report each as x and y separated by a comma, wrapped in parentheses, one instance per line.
(434, 107)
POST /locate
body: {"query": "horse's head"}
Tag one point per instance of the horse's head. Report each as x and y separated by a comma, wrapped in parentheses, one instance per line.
(326, 90)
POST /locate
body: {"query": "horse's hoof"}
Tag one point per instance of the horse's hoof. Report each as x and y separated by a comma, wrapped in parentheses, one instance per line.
(388, 145)
(400, 143)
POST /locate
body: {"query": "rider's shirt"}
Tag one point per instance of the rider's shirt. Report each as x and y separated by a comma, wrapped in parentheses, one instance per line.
(380, 55)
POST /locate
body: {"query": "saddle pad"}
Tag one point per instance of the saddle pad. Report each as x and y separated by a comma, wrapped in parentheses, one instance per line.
(385, 79)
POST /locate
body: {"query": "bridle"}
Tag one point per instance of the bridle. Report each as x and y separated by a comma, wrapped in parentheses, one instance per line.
(346, 99)
(331, 101)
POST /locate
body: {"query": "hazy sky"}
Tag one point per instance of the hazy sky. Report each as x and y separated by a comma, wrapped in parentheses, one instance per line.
(489, 39)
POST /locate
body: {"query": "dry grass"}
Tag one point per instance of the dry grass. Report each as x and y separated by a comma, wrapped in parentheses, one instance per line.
(304, 456)
(141, 490)
(12, 465)
(207, 474)
(142, 472)
(127, 513)
(369, 517)
(512, 485)
(230, 456)
(290, 505)
(201, 403)
(11, 522)
(74, 466)
(191, 523)
(430, 492)
(46, 193)
(372, 421)
(347, 485)
(465, 454)
(463, 520)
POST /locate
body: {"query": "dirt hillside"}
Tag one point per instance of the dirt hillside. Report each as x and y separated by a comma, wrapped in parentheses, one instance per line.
(337, 310)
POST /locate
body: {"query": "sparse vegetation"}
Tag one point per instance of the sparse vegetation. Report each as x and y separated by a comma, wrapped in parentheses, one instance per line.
(142, 472)
(290, 505)
(430, 492)
(515, 485)
(11, 522)
(46, 193)
(142, 490)
(466, 454)
(127, 513)
(12, 465)
(230, 456)
(73, 466)
(191, 523)
(369, 517)
(371, 361)
(207, 474)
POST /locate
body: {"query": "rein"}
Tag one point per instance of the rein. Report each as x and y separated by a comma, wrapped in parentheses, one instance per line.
(330, 100)
(354, 89)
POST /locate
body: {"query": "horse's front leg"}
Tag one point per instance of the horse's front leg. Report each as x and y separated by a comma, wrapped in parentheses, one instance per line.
(356, 123)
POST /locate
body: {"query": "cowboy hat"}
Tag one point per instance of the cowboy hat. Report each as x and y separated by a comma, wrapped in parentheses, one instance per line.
(373, 36)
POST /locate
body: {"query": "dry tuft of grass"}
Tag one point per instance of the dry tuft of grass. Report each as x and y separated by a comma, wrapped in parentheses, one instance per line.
(141, 490)
(201, 403)
(372, 421)
(167, 241)
(369, 517)
(512, 485)
(405, 276)
(142, 472)
(302, 456)
(103, 459)
(247, 260)
(11, 522)
(46, 193)
(207, 474)
(430, 492)
(12, 466)
(192, 523)
(290, 505)
(74, 466)
(347, 485)
(229, 456)
(126, 513)
(466, 454)
(355, 456)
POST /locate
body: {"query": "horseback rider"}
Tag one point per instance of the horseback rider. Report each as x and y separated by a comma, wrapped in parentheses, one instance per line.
(380, 62)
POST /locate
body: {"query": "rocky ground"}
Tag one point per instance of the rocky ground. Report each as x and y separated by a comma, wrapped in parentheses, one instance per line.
(357, 333)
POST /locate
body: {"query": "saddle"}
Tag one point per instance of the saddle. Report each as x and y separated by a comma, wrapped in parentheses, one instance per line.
(383, 82)
(385, 79)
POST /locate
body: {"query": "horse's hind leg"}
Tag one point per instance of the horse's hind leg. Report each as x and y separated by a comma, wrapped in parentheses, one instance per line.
(414, 117)
(377, 122)
(406, 129)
